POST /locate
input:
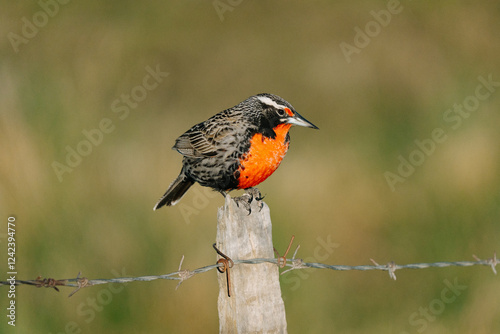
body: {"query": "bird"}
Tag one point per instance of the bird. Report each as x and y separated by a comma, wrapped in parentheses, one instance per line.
(237, 148)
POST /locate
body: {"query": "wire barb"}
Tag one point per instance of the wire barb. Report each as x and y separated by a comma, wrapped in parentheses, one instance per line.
(82, 283)
(296, 263)
(281, 260)
(227, 264)
(492, 262)
(390, 267)
(49, 283)
(183, 274)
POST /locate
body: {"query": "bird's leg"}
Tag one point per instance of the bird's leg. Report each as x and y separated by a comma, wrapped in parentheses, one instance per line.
(247, 198)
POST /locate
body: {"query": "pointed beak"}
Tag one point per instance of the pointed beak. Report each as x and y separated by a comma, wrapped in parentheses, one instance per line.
(296, 119)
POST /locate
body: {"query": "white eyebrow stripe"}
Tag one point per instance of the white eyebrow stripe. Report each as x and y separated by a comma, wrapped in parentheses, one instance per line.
(269, 102)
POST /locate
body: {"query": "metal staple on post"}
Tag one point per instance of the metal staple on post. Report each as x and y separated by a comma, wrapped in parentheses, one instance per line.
(227, 264)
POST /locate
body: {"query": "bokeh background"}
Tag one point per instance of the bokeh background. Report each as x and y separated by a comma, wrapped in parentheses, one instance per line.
(371, 106)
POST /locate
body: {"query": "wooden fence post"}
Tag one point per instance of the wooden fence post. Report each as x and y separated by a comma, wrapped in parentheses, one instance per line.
(255, 305)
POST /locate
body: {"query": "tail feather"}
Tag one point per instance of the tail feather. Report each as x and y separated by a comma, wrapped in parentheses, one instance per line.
(175, 191)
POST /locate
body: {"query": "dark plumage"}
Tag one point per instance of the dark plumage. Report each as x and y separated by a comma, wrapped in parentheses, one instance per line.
(222, 152)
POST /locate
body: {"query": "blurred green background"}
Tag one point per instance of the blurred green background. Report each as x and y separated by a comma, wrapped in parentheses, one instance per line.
(66, 76)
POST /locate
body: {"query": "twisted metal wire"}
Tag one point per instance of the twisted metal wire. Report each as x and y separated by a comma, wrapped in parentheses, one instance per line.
(294, 264)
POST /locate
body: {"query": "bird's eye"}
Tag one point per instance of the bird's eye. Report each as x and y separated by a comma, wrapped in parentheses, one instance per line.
(281, 112)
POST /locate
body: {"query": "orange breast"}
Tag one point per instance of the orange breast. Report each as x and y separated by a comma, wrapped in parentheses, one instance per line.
(263, 158)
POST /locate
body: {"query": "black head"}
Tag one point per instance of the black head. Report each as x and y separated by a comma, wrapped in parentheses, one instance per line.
(276, 110)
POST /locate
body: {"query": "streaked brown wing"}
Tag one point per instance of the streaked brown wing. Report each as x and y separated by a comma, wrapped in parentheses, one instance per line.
(196, 144)
(202, 140)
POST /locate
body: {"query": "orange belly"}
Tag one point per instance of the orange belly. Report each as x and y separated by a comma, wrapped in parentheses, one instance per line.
(263, 158)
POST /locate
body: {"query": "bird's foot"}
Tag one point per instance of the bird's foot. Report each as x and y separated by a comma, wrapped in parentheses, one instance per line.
(246, 199)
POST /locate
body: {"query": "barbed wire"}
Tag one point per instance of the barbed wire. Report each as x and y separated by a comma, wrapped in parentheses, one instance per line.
(282, 262)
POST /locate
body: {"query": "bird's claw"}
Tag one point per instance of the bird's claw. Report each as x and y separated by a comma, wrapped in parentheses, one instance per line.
(247, 198)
